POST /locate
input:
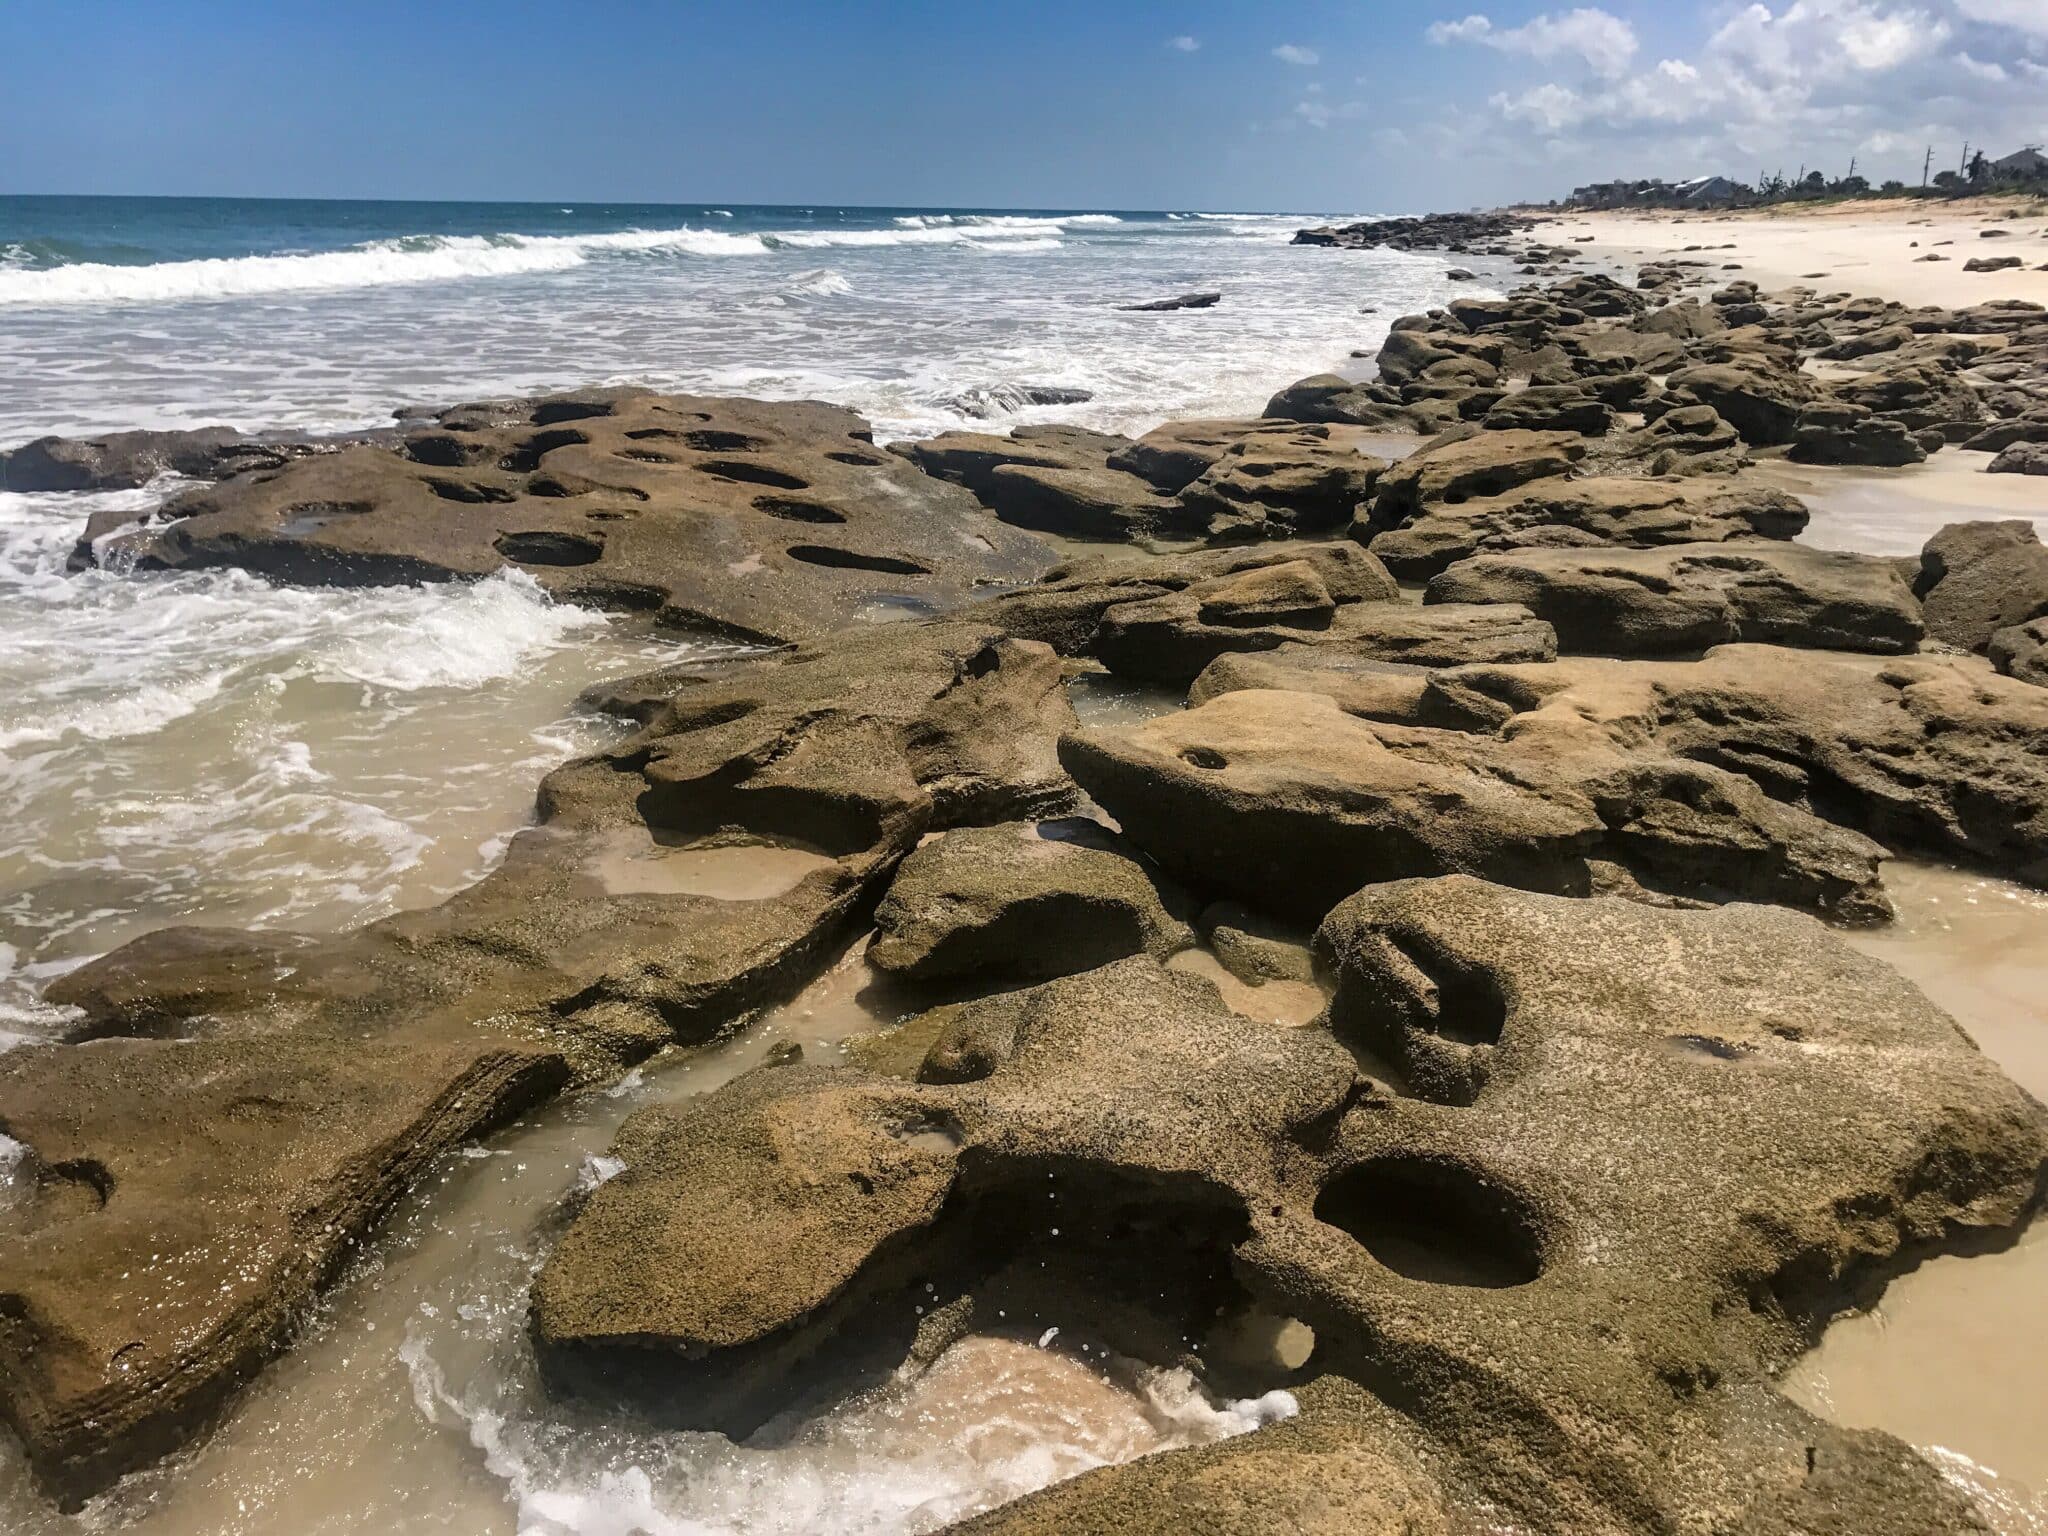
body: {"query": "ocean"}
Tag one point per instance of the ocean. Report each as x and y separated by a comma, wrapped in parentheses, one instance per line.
(127, 312)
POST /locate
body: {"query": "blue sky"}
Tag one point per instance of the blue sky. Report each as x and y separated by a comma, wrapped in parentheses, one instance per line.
(1318, 105)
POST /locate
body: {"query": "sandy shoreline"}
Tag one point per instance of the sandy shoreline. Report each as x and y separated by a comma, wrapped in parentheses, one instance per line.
(1870, 248)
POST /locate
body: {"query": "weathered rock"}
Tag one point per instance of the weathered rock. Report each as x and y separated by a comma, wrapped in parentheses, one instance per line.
(1170, 638)
(1178, 301)
(2028, 458)
(119, 461)
(1993, 263)
(1066, 609)
(1281, 485)
(1977, 578)
(1836, 432)
(1330, 397)
(1100, 504)
(1434, 231)
(269, 1096)
(1286, 802)
(1452, 470)
(1763, 406)
(1551, 408)
(765, 521)
(1925, 755)
(1253, 948)
(2002, 435)
(1678, 1108)
(972, 458)
(1023, 900)
(1175, 454)
(1622, 511)
(989, 400)
(1926, 395)
(2021, 651)
(1687, 597)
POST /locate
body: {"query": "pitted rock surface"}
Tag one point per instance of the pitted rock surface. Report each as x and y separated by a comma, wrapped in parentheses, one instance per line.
(1640, 1156)
(762, 521)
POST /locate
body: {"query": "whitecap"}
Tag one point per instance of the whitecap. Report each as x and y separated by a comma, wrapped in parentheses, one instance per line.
(378, 263)
(484, 630)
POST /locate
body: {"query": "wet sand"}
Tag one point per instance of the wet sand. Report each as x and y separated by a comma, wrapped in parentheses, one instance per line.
(1896, 511)
(1954, 1358)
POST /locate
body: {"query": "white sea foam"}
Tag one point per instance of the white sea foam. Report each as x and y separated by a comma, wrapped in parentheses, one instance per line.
(444, 258)
(820, 282)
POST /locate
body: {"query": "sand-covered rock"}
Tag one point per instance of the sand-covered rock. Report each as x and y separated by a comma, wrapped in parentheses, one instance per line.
(1023, 900)
(1687, 597)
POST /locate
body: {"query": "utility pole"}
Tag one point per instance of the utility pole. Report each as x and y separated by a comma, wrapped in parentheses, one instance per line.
(1852, 167)
(1963, 168)
(1926, 165)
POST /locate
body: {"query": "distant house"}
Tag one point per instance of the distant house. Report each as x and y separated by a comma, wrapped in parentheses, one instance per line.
(2027, 164)
(1704, 190)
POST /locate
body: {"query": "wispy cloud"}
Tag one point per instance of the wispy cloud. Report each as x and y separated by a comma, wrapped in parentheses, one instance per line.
(1605, 42)
(1294, 53)
(1184, 43)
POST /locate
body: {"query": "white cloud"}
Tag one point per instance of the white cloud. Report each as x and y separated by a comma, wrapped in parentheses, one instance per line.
(1294, 53)
(1184, 43)
(2020, 15)
(1605, 42)
(1982, 69)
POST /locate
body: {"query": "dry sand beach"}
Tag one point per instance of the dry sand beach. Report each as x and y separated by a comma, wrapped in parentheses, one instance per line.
(1876, 247)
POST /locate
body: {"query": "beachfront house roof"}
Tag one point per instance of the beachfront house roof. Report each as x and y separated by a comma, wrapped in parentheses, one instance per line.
(2028, 162)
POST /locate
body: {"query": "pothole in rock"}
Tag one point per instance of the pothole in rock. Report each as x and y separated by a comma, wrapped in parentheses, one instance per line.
(743, 473)
(834, 558)
(547, 546)
(794, 510)
(629, 862)
(525, 459)
(1436, 1220)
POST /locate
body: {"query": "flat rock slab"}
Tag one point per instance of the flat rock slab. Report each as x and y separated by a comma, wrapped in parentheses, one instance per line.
(1288, 803)
(763, 521)
(1688, 597)
(1024, 900)
(1624, 511)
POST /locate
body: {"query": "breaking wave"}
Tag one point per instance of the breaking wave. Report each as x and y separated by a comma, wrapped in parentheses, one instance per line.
(41, 277)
